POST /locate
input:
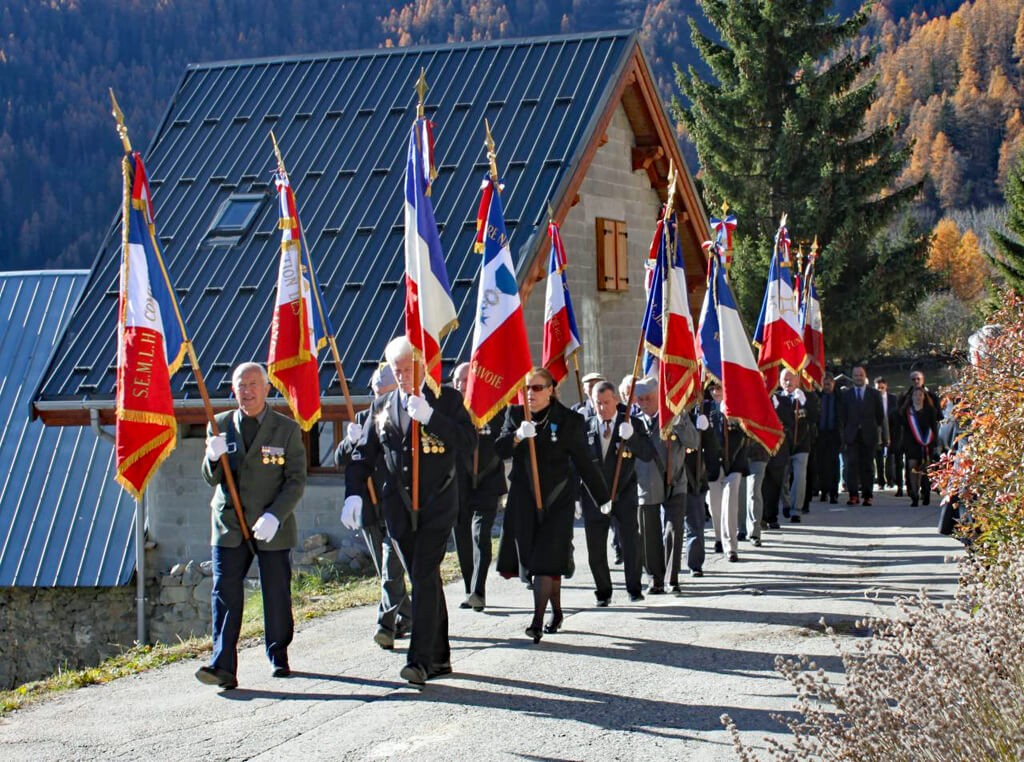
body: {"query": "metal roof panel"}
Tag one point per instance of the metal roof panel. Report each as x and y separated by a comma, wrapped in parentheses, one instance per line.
(342, 121)
(63, 519)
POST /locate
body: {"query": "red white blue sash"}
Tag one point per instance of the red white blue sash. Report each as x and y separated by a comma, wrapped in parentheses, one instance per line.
(922, 439)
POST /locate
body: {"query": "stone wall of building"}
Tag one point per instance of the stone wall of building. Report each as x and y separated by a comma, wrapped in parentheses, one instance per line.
(43, 630)
(608, 321)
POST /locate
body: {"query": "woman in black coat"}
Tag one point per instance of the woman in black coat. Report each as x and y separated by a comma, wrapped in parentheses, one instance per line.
(540, 541)
(920, 440)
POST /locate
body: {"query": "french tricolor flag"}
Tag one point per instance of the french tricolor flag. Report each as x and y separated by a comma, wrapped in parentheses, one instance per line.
(813, 330)
(429, 309)
(561, 336)
(297, 330)
(728, 357)
(500, 358)
(150, 342)
(779, 335)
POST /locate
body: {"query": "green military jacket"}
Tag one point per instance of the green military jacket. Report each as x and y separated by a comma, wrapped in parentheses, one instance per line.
(270, 477)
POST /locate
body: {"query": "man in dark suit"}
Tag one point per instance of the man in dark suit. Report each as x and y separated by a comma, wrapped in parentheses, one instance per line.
(861, 420)
(481, 485)
(885, 461)
(445, 434)
(268, 461)
(394, 611)
(828, 442)
(608, 430)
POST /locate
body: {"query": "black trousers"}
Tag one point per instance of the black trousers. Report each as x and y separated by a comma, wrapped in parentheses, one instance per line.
(860, 461)
(772, 487)
(826, 464)
(653, 544)
(473, 541)
(885, 466)
(230, 565)
(421, 553)
(625, 511)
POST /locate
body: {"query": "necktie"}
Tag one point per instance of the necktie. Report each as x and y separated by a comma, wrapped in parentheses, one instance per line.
(607, 429)
(250, 426)
(860, 394)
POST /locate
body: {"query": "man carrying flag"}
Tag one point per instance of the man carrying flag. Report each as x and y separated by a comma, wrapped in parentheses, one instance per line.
(150, 341)
(297, 331)
(778, 334)
(413, 424)
(561, 336)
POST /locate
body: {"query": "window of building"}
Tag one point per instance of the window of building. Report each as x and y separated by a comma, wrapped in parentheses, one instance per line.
(235, 216)
(612, 255)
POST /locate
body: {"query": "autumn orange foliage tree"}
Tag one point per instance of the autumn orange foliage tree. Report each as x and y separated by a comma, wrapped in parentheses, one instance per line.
(987, 467)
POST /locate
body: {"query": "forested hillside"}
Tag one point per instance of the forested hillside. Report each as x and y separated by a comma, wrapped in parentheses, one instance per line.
(958, 94)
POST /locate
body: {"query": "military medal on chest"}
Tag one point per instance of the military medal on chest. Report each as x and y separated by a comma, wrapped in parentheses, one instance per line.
(272, 456)
(554, 431)
(430, 444)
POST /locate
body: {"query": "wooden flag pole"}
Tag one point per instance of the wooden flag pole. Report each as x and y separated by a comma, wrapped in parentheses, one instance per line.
(629, 403)
(579, 381)
(492, 157)
(229, 477)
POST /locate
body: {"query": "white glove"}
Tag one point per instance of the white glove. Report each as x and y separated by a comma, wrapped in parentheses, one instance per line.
(606, 508)
(578, 513)
(526, 430)
(350, 511)
(419, 409)
(702, 422)
(625, 430)
(354, 432)
(800, 397)
(775, 402)
(265, 527)
(216, 446)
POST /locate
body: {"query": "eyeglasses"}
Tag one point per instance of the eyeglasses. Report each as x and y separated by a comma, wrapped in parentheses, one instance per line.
(537, 387)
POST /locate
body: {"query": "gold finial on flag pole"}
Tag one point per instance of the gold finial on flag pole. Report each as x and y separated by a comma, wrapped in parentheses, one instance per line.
(673, 179)
(814, 249)
(122, 129)
(551, 213)
(492, 152)
(421, 90)
(725, 208)
(277, 154)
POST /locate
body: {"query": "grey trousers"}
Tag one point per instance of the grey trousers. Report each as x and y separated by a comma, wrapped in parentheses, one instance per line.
(394, 599)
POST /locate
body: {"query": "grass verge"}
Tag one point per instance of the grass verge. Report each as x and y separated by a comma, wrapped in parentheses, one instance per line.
(314, 594)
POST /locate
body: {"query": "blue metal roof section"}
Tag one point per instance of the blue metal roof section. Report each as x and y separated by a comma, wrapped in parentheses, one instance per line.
(64, 522)
(342, 121)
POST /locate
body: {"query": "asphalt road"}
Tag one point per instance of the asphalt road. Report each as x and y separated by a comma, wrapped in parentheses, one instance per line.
(634, 681)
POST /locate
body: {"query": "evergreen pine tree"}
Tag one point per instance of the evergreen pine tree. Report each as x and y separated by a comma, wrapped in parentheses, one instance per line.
(1009, 259)
(780, 129)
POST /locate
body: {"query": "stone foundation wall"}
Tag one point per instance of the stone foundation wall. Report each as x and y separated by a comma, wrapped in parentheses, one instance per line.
(43, 630)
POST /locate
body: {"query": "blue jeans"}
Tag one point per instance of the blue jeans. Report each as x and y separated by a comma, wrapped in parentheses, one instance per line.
(227, 599)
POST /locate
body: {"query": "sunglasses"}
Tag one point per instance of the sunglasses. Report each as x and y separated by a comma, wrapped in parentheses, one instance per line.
(537, 387)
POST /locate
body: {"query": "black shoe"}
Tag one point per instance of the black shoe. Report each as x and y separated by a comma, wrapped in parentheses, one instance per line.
(216, 676)
(773, 525)
(854, 500)
(795, 518)
(899, 492)
(867, 502)
(927, 500)
(413, 674)
(805, 509)
(636, 597)
(603, 602)
(439, 670)
(696, 573)
(757, 542)
(464, 604)
(764, 524)
(913, 502)
(653, 590)
(741, 538)
(618, 559)
(554, 624)
(833, 500)
(281, 671)
(733, 557)
(718, 548)
(534, 632)
(384, 638)
(476, 602)
(785, 511)
(676, 589)
(403, 628)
